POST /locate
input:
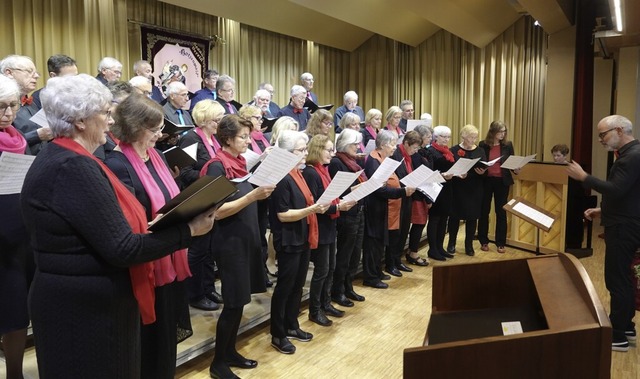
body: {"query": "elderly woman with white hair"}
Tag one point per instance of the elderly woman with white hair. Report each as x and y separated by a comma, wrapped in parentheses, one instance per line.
(382, 210)
(442, 159)
(92, 286)
(295, 109)
(294, 225)
(16, 255)
(350, 224)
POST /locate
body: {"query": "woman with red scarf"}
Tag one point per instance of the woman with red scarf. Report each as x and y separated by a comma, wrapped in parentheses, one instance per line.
(294, 226)
(350, 224)
(323, 257)
(235, 244)
(398, 237)
(138, 125)
(92, 287)
(16, 255)
(201, 288)
(443, 160)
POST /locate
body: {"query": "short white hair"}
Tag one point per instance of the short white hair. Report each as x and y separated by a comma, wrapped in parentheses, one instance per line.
(175, 87)
(351, 95)
(67, 99)
(441, 130)
(306, 75)
(9, 89)
(386, 137)
(426, 117)
(262, 93)
(109, 62)
(346, 138)
(296, 90)
(14, 61)
(138, 81)
(289, 138)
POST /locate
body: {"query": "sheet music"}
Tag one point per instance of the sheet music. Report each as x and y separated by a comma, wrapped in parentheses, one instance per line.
(192, 150)
(363, 190)
(385, 170)
(13, 169)
(492, 162)
(462, 166)
(275, 167)
(515, 162)
(40, 118)
(338, 185)
(432, 190)
(411, 124)
(534, 214)
(252, 158)
(422, 175)
(371, 146)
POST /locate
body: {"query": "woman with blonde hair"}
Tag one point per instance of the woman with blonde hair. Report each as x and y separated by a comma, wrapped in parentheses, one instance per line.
(372, 125)
(283, 123)
(320, 123)
(393, 117)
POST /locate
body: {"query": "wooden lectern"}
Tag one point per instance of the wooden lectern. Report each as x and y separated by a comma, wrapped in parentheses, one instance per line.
(566, 331)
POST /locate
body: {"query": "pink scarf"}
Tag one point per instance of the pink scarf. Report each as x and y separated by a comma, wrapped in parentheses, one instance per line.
(216, 144)
(12, 141)
(371, 131)
(257, 135)
(397, 129)
(170, 267)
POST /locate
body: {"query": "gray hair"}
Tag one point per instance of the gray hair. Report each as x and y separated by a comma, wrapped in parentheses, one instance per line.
(296, 90)
(403, 103)
(68, 99)
(289, 138)
(222, 79)
(109, 62)
(350, 95)
(423, 130)
(139, 64)
(139, 81)
(281, 124)
(617, 121)
(174, 87)
(386, 137)
(306, 75)
(441, 130)
(262, 93)
(347, 119)
(346, 138)
(14, 61)
(426, 117)
(9, 89)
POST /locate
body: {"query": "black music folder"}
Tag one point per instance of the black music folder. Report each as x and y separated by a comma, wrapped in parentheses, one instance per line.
(203, 194)
(177, 156)
(172, 128)
(268, 123)
(312, 107)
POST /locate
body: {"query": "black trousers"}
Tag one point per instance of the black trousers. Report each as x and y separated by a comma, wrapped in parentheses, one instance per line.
(285, 302)
(470, 230)
(201, 264)
(349, 251)
(372, 259)
(393, 251)
(415, 234)
(493, 188)
(436, 230)
(324, 263)
(622, 241)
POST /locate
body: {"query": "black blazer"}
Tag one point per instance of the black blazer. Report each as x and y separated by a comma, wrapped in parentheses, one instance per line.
(506, 150)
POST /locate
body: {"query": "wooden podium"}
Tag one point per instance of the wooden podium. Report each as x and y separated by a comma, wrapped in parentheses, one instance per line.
(566, 331)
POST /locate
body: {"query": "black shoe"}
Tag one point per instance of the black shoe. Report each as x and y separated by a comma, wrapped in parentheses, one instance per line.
(419, 261)
(447, 255)
(241, 362)
(342, 300)
(378, 284)
(320, 318)
(451, 250)
(394, 271)
(330, 310)
(471, 252)
(283, 345)
(384, 277)
(436, 255)
(205, 305)
(222, 373)
(215, 297)
(403, 267)
(354, 296)
(268, 283)
(299, 334)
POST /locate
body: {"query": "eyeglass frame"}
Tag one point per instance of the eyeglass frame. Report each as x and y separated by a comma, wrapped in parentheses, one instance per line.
(14, 108)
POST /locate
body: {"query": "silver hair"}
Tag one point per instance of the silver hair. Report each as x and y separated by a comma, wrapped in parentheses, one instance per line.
(263, 93)
(350, 95)
(346, 138)
(426, 117)
(305, 75)
(405, 102)
(14, 61)
(289, 138)
(139, 81)
(296, 90)
(68, 99)
(222, 79)
(423, 130)
(441, 130)
(347, 119)
(617, 121)
(139, 64)
(386, 137)
(109, 62)
(175, 87)
(9, 89)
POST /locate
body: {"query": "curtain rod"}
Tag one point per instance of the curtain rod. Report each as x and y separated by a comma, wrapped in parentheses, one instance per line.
(215, 38)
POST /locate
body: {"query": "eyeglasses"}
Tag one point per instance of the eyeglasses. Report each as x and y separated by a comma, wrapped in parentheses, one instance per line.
(30, 71)
(243, 137)
(327, 122)
(228, 90)
(603, 134)
(301, 150)
(330, 150)
(156, 130)
(117, 72)
(257, 118)
(15, 106)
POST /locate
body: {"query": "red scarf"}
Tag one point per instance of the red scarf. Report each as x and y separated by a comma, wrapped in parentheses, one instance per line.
(12, 141)
(141, 274)
(326, 180)
(312, 219)
(256, 136)
(234, 167)
(407, 159)
(397, 129)
(445, 151)
(372, 131)
(207, 145)
(351, 163)
(176, 265)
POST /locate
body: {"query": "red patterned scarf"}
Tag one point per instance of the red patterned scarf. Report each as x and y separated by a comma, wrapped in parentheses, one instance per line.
(312, 219)
(326, 180)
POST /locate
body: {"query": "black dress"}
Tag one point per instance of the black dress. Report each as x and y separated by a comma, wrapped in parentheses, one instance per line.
(467, 192)
(236, 248)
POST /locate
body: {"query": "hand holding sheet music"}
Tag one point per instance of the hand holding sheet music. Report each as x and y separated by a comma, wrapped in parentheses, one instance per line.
(516, 162)
(275, 167)
(338, 185)
(422, 175)
(462, 166)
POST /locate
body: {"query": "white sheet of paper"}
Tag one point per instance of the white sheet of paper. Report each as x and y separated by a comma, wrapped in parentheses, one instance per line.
(40, 118)
(515, 162)
(363, 190)
(275, 167)
(462, 166)
(411, 124)
(192, 150)
(534, 214)
(338, 185)
(400, 139)
(13, 169)
(371, 146)
(385, 170)
(511, 327)
(252, 158)
(432, 190)
(417, 177)
(492, 162)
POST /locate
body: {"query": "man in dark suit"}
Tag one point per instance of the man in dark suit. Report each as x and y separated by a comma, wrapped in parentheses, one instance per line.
(306, 80)
(350, 105)
(143, 68)
(407, 113)
(109, 70)
(226, 92)
(177, 98)
(209, 89)
(620, 211)
(295, 108)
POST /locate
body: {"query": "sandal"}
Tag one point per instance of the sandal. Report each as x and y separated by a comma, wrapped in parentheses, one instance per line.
(419, 261)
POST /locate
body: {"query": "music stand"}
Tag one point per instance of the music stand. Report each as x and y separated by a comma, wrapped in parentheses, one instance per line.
(533, 214)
